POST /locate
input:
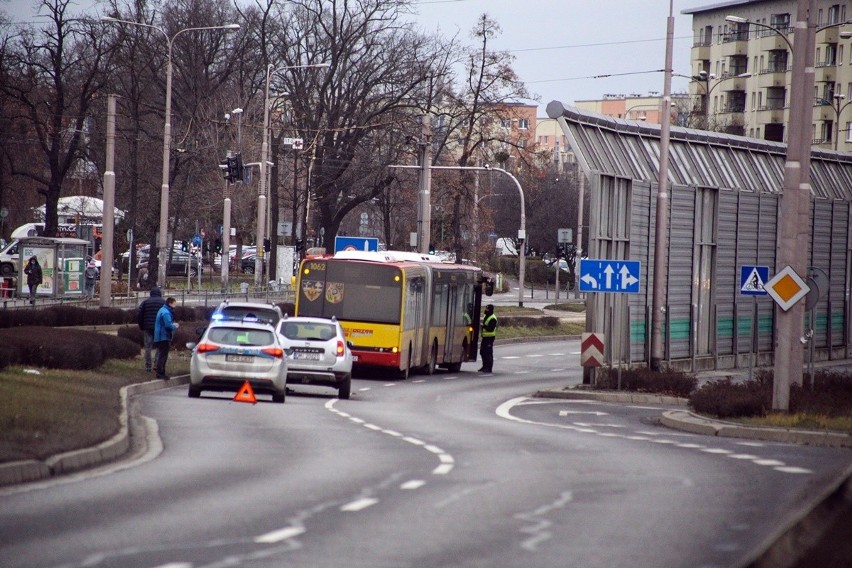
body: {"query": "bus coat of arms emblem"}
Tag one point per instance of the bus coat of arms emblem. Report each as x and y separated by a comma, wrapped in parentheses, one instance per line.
(312, 289)
(334, 293)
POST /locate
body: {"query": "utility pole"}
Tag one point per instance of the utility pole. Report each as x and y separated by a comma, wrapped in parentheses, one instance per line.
(424, 210)
(794, 207)
(107, 237)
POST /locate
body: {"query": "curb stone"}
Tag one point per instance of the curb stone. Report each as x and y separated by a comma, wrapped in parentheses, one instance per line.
(36, 470)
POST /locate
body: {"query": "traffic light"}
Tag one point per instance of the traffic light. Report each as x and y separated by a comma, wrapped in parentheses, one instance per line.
(218, 245)
(184, 246)
(224, 165)
(267, 245)
(238, 168)
(300, 245)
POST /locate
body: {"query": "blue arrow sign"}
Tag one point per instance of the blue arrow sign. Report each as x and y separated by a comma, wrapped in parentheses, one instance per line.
(597, 275)
(356, 243)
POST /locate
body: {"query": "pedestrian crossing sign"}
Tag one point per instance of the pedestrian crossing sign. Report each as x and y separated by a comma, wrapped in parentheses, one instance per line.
(753, 280)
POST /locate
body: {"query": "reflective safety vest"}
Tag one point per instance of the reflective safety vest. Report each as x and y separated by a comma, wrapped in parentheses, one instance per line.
(489, 323)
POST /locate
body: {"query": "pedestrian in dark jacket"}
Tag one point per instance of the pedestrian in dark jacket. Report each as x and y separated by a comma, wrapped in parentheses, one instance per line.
(164, 329)
(34, 276)
(90, 276)
(146, 317)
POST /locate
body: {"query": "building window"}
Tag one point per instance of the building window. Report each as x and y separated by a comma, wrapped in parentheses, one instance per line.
(849, 131)
(840, 54)
(524, 123)
(505, 123)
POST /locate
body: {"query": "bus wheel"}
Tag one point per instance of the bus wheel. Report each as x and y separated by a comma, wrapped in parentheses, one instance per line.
(429, 369)
(454, 367)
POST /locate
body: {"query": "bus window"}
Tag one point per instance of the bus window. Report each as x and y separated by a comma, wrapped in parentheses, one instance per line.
(353, 292)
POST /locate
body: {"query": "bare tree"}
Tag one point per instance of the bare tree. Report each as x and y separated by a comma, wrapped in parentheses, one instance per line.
(52, 76)
(355, 115)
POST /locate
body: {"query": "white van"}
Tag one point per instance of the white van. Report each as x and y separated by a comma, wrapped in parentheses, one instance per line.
(9, 259)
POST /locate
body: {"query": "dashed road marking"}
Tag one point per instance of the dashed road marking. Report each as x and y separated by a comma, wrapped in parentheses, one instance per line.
(359, 504)
(413, 484)
(279, 535)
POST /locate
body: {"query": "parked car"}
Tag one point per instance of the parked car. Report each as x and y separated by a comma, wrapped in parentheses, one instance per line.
(231, 352)
(247, 264)
(247, 311)
(317, 353)
(178, 265)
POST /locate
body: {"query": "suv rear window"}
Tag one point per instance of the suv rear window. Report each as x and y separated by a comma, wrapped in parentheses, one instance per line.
(309, 330)
(241, 336)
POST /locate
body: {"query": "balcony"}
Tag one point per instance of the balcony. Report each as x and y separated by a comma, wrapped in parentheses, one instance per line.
(828, 35)
(772, 76)
(735, 44)
(701, 51)
(824, 111)
(825, 72)
(771, 41)
(771, 114)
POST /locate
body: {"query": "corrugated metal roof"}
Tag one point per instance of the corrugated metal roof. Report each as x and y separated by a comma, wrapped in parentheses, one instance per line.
(697, 157)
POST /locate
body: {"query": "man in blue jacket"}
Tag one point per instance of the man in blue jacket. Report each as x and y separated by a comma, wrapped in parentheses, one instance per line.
(146, 316)
(164, 329)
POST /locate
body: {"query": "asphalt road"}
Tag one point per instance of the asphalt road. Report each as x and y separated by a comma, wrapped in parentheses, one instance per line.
(454, 470)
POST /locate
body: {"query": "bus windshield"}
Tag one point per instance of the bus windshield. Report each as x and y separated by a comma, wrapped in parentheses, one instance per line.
(351, 291)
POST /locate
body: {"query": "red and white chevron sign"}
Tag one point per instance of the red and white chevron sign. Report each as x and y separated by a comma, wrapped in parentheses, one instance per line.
(591, 349)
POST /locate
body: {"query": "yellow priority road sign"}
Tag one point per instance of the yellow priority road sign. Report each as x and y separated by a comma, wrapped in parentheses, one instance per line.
(786, 288)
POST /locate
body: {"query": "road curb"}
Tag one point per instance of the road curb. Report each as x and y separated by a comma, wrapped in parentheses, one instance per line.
(629, 397)
(36, 470)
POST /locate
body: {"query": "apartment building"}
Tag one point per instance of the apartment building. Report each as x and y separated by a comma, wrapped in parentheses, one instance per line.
(741, 62)
(642, 108)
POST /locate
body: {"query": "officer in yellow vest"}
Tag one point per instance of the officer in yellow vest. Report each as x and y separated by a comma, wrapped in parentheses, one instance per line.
(489, 333)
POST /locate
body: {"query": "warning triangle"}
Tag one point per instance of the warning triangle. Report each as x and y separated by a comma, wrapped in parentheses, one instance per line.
(754, 283)
(246, 394)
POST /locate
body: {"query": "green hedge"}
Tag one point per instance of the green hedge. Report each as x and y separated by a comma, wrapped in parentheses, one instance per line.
(62, 348)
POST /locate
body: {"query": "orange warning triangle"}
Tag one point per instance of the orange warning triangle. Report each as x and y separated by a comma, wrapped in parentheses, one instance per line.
(246, 394)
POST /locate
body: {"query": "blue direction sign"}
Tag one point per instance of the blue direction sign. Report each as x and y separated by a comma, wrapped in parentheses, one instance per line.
(753, 280)
(598, 275)
(356, 243)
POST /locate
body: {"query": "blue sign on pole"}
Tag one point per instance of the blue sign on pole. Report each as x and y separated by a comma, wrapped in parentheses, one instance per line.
(753, 280)
(356, 243)
(599, 275)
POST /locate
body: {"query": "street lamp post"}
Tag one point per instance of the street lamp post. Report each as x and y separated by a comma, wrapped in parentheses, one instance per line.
(264, 157)
(162, 242)
(838, 109)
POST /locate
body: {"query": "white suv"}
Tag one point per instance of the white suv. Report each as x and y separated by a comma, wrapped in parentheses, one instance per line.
(317, 353)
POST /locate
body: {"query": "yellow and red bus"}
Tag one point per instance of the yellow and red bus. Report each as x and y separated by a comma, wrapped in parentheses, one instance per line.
(401, 311)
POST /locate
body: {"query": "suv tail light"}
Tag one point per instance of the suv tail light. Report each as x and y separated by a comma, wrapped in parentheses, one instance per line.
(341, 349)
(206, 347)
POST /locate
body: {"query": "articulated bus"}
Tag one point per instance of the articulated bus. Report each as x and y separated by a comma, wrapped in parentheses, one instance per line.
(401, 311)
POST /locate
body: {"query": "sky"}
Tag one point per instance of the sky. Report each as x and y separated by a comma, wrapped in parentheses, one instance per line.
(565, 50)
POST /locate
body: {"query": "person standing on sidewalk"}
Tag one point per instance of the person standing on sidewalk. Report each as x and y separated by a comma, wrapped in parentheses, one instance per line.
(489, 333)
(164, 329)
(90, 277)
(34, 277)
(146, 316)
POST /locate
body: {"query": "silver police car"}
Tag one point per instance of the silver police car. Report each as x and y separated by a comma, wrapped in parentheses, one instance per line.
(230, 353)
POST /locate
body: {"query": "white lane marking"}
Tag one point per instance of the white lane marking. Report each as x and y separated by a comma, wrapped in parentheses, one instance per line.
(389, 385)
(175, 565)
(558, 370)
(507, 357)
(769, 462)
(504, 411)
(359, 504)
(447, 461)
(279, 535)
(644, 407)
(593, 412)
(451, 378)
(521, 372)
(364, 389)
(413, 484)
(419, 381)
(793, 469)
(588, 425)
(534, 355)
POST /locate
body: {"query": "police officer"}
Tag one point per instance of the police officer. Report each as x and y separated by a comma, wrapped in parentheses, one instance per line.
(489, 332)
